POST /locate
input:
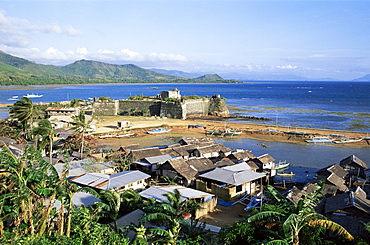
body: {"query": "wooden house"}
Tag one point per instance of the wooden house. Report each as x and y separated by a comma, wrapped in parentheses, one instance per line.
(241, 156)
(196, 141)
(231, 182)
(334, 179)
(349, 210)
(140, 154)
(354, 166)
(212, 151)
(207, 201)
(150, 165)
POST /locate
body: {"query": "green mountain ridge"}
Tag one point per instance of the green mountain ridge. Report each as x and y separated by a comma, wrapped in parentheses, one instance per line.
(19, 71)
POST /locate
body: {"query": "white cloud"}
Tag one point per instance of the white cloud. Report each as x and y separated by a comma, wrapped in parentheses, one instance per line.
(17, 32)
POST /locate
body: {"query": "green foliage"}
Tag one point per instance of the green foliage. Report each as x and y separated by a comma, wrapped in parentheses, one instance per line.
(171, 99)
(105, 98)
(240, 232)
(137, 97)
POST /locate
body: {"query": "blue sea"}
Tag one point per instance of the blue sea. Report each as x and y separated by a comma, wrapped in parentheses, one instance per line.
(325, 105)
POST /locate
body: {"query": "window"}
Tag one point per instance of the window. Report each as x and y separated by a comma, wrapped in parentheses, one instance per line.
(239, 188)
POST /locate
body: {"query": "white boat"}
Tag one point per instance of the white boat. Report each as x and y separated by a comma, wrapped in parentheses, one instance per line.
(159, 131)
(320, 140)
(33, 95)
(15, 97)
(223, 132)
(281, 165)
(349, 140)
(124, 135)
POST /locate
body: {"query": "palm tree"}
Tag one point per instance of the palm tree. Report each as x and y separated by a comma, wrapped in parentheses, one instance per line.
(23, 111)
(112, 204)
(81, 127)
(170, 213)
(74, 103)
(44, 136)
(295, 218)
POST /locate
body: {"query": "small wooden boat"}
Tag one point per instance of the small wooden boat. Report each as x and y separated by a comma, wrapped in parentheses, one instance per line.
(281, 165)
(124, 135)
(320, 140)
(223, 132)
(348, 140)
(291, 174)
(159, 131)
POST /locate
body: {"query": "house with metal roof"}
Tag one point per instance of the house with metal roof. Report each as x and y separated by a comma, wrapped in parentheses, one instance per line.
(186, 171)
(354, 165)
(207, 201)
(231, 182)
(150, 165)
(349, 210)
(133, 179)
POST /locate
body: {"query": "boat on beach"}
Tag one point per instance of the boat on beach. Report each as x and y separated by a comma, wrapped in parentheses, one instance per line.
(124, 135)
(322, 140)
(33, 95)
(347, 140)
(159, 131)
(223, 132)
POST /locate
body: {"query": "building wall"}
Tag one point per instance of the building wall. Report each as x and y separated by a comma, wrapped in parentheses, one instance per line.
(153, 107)
(105, 108)
(177, 110)
(206, 208)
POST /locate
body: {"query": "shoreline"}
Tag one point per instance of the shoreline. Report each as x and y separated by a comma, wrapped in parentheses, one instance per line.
(106, 125)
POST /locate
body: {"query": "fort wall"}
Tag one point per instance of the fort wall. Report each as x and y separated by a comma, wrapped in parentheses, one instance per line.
(181, 109)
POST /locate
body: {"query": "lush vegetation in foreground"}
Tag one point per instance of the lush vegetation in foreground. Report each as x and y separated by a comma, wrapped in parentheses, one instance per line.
(30, 186)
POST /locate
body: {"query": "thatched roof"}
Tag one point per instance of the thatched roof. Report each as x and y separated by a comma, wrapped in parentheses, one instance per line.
(139, 154)
(296, 194)
(353, 160)
(265, 158)
(196, 141)
(352, 202)
(241, 155)
(333, 169)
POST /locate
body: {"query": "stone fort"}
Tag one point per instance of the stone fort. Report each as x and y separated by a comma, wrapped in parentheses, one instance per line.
(168, 104)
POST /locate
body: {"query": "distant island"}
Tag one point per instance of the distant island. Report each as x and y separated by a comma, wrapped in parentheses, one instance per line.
(19, 71)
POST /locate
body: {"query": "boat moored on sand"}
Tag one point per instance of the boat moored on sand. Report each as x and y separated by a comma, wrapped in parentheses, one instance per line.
(291, 174)
(347, 140)
(223, 132)
(159, 131)
(322, 140)
(281, 165)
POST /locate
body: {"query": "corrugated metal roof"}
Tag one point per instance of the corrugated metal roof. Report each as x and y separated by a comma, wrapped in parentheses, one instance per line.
(238, 167)
(157, 159)
(107, 182)
(232, 177)
(158, 193)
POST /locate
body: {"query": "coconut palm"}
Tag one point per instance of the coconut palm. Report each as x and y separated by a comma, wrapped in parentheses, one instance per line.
(296, 218)
(81, 127)
(23, 111)
(44, 135)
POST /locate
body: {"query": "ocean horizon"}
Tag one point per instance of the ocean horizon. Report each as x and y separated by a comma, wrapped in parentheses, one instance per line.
(324, 105)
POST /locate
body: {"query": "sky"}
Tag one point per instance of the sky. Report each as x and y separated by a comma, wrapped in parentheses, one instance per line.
(310, 38)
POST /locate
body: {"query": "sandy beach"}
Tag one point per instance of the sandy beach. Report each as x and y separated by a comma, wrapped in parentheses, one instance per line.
(107, 125)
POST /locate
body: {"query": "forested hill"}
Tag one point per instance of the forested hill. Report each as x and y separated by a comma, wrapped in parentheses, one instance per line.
(19, 71)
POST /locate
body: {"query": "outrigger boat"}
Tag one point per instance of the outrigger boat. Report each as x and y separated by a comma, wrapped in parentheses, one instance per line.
(320, 140)
(159, 131)
(281, 165)
(349, 140)
(33, 95)
(223, 132)
(291, 174)
(15, 97)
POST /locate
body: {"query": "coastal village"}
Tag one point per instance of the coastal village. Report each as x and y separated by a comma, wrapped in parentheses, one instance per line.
(227, 184)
